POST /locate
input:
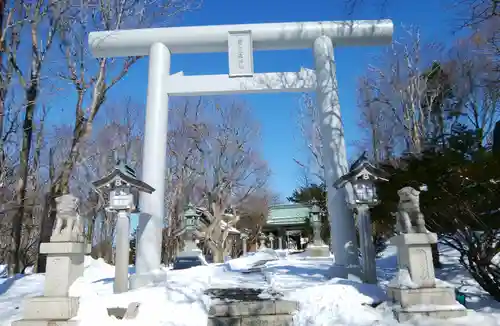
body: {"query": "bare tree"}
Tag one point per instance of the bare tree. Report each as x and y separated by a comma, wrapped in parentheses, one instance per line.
(118, 136)
(400, 103)
(474, 84)
(254, 211)
(92, 85)
(183, 163)
(41, 22)
(308, 120)
(232, 168)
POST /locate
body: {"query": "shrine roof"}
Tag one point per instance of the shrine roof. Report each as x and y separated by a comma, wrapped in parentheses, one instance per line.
(288, 214)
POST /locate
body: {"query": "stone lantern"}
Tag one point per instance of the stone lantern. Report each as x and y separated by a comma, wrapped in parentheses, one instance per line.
(316, 223)
(318, 248)
(122, 187)
(191, 218)
(363, 176)
(191, 222)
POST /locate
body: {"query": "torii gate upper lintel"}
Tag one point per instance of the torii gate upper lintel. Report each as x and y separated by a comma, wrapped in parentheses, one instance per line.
(240, 41)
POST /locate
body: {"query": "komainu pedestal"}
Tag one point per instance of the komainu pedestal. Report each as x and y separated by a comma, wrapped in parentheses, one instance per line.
(415, 290)
(65, 263)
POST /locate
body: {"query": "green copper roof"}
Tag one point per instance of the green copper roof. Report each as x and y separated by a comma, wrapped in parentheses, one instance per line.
(287, 214)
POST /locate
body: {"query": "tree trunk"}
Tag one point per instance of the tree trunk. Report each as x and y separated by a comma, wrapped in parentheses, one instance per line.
(435, 256)
(42, 259)
(17, 221)
(218, 256)
(3, 87)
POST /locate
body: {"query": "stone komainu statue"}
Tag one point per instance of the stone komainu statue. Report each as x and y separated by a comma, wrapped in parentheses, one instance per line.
(409, 218)
(67, 217)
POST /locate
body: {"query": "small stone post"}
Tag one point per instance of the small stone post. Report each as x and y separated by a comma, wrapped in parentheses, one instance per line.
(65, 257)
(280, 243)
(262, 240)
(271, 240)
(244, 238)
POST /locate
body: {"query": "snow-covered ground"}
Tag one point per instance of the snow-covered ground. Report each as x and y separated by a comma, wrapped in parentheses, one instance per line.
(180, 300)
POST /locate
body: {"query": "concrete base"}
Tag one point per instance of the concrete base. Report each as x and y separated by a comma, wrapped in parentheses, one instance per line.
(51, 308)
(318, 251)
(24, 322)
(153, 278)
(438, 302)
(442, 296)
(438, 312)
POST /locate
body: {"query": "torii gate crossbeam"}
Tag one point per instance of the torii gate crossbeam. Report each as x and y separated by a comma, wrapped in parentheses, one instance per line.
(240, 41)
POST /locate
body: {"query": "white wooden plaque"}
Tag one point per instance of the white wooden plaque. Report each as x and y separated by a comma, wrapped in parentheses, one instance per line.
(240, 53)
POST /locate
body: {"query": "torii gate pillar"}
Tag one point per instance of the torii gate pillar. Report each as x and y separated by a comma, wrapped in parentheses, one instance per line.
(240, 41)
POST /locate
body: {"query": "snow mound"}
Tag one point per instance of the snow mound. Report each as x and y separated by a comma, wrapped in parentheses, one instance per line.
(340, 302)
(243, 264)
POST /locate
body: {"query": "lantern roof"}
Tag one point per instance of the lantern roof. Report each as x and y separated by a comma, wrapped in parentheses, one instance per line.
(315, 209)
(190, 211)
(124, 173)
(361, 166)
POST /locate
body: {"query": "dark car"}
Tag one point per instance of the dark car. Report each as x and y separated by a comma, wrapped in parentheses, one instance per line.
(188, 262)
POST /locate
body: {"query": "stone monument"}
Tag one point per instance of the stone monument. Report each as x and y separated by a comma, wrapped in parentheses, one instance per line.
(65, 258)
(415, 291)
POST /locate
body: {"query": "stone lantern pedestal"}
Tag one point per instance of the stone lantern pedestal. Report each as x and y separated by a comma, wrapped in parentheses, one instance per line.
(415, 291)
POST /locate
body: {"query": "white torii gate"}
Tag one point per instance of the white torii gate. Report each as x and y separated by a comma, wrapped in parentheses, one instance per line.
(240, 41)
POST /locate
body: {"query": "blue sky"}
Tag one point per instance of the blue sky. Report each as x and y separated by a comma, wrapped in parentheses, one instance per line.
(277, 112)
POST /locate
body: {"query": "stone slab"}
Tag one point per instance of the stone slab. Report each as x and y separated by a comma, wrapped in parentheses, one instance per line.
(24, 322)
(132, 310)
(286, 307)
(252, 308)
(61, 272)
(224, 321)
(263, 320)
(438, 312)
(67, 237)
(272, 320)
(65, 248)
(50, 308)
(422, 296)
